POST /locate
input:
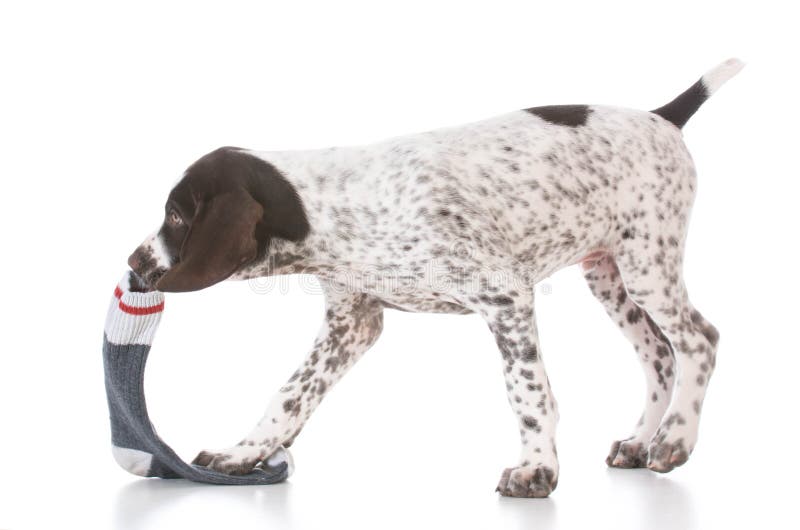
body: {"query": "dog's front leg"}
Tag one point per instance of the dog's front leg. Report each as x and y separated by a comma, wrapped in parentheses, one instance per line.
(353, 322)
(511, 319)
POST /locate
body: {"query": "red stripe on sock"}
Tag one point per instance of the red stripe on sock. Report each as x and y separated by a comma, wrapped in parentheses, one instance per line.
(141, 310)
(136, 310)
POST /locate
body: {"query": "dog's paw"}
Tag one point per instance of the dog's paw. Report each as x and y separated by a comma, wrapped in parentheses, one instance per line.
(528, 481)
(627, 454)
(665, 456)
(238, 460)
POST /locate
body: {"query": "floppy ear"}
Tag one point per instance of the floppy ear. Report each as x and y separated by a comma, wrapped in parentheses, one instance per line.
(221, 239)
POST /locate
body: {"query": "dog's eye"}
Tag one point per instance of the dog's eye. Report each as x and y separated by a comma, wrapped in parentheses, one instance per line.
(174, 218)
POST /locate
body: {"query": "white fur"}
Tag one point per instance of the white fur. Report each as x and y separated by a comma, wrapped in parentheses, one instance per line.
(159, 253)
(719, 75)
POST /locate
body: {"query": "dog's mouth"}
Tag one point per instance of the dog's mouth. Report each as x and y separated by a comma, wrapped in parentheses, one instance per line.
(146, 268)
(143, 282)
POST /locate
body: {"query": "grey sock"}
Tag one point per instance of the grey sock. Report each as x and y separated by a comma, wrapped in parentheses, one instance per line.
(132, 320)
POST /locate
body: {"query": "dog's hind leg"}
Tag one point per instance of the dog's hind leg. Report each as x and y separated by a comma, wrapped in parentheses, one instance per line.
(654, 352)
(653, 276)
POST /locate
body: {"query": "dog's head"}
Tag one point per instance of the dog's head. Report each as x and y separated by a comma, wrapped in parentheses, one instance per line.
(219, 217)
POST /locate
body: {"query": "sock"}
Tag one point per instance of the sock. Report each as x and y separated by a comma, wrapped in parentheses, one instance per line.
(131, 323)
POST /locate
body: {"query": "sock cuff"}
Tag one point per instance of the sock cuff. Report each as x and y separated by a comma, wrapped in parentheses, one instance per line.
(133, 317)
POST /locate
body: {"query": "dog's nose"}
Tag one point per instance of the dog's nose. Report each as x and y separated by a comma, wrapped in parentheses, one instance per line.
(133, 262)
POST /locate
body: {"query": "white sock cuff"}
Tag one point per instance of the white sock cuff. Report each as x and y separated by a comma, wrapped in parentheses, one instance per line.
(133, 316)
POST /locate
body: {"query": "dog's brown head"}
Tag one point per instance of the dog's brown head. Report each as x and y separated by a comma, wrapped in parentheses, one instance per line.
(220, 216)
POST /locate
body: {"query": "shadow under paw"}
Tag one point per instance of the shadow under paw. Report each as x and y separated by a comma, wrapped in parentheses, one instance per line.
(527, 481)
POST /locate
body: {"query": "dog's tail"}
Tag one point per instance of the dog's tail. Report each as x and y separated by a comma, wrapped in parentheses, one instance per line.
(680, 109)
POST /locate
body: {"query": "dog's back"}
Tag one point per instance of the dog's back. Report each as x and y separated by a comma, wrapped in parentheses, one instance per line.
(543, 186)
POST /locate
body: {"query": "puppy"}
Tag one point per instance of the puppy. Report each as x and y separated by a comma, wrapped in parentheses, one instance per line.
(466, 220)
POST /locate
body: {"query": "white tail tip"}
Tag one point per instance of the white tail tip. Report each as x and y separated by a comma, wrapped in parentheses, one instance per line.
(717, 76)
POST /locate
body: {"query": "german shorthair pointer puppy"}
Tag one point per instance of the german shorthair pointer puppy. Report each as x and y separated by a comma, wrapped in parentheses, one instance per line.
(466, 220)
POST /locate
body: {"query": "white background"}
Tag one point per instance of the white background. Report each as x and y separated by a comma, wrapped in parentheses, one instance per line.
(104, 104)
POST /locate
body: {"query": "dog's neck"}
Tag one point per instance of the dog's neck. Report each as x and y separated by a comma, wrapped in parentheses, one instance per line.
(332, 187)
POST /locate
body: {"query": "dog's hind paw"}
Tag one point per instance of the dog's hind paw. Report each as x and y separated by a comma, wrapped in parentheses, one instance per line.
(665, 456)
(627, 454)
(528, 481)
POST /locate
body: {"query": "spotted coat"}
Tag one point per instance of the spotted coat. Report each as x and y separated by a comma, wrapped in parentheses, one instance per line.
(467, 220)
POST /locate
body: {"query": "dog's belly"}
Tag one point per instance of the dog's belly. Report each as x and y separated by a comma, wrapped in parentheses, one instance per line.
(423, 302)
